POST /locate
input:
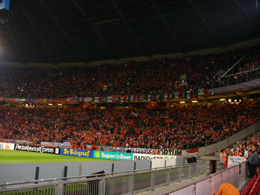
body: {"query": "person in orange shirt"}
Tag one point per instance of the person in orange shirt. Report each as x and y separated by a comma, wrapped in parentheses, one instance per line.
(227, 189)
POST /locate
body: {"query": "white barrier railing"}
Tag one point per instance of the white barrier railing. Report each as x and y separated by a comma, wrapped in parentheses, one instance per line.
(114, 183)
(235, 175)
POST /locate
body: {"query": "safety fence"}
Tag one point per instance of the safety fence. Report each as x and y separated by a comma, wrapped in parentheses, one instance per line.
(236, 175)
(240, 77)
(116, 183)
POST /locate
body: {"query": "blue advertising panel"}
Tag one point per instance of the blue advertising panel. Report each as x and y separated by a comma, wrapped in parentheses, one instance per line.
(76, 152)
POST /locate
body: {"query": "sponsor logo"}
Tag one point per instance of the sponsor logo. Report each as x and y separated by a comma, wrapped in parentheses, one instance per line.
(40, 149)
(2, 146)
(169, 152)
(97, 154)
(113, 155)
(146, 157)
(7, 146)
(74, 152)
(149, 156)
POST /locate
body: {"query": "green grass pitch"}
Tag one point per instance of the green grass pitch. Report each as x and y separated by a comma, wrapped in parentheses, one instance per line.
(14, 156)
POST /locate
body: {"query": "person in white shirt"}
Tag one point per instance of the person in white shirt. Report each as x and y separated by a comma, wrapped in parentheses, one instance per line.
(246, 153)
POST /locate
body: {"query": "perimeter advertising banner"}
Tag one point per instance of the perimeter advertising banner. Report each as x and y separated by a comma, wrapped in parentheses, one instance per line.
(75, 152)
(137, 156)
(7, 146)
(40, 149)
(113, 155)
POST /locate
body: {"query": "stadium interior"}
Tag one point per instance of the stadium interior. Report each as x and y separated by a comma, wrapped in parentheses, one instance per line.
(165, 94)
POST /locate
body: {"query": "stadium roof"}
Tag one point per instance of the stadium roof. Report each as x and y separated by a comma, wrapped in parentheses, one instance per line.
(57, 31)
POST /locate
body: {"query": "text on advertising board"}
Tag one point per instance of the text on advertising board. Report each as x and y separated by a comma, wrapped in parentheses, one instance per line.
(113, 155)
(75, 152)
(137, 156)
(40, 149)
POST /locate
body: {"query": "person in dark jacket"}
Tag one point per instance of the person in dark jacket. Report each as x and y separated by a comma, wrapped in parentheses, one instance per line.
(253, 162)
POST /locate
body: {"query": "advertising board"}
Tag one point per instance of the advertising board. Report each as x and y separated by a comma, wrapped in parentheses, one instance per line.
(40, 149)
(137, 156)
(7, 146)
(113, 155)
(75, 152)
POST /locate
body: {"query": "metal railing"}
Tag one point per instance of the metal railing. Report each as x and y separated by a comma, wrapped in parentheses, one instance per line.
(116, 183)
(236, 175)
(240, 77)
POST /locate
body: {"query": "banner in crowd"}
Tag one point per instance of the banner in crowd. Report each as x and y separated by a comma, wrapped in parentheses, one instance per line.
(137, 156)
(141, 150)
(75, 152)
(235, 160)
(113, 155)
(7, 146)
(163, 151)
(54, 144)
(189, 94)
(40, 149)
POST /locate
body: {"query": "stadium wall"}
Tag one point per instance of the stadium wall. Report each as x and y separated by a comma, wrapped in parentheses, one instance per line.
(25, 172)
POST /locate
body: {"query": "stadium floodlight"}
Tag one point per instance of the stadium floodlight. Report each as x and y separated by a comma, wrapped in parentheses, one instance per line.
(194, 101)
(50, 104)
(229, 100)
(59, 104)
(182, 102)
(222, 100)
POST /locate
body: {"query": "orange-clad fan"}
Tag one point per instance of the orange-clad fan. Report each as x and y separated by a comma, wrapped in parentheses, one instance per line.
(227, 189)
(193, 126)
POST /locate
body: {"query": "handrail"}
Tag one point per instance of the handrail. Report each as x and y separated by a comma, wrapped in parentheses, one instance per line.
(194, 183)
(243, 72)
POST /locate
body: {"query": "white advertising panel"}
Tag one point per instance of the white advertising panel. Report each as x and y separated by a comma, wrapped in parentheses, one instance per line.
(7, 146)
(137, 156)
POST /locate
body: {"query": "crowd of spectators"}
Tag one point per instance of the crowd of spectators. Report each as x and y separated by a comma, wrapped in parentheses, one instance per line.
(176, 127)
(249, 149)
(243, 148)
(132, 78)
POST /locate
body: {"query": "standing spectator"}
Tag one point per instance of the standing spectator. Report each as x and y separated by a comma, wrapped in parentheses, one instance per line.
(253, 162)
(246, 153)
(225, 159)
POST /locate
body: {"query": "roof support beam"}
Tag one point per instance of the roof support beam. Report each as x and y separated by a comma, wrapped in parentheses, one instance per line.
(197, 10)
(254, 22)
(15, 43)
(62, 29)
(37, 32)
(164, 20)
(93, 27)
(241, 7)
(127, 25)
